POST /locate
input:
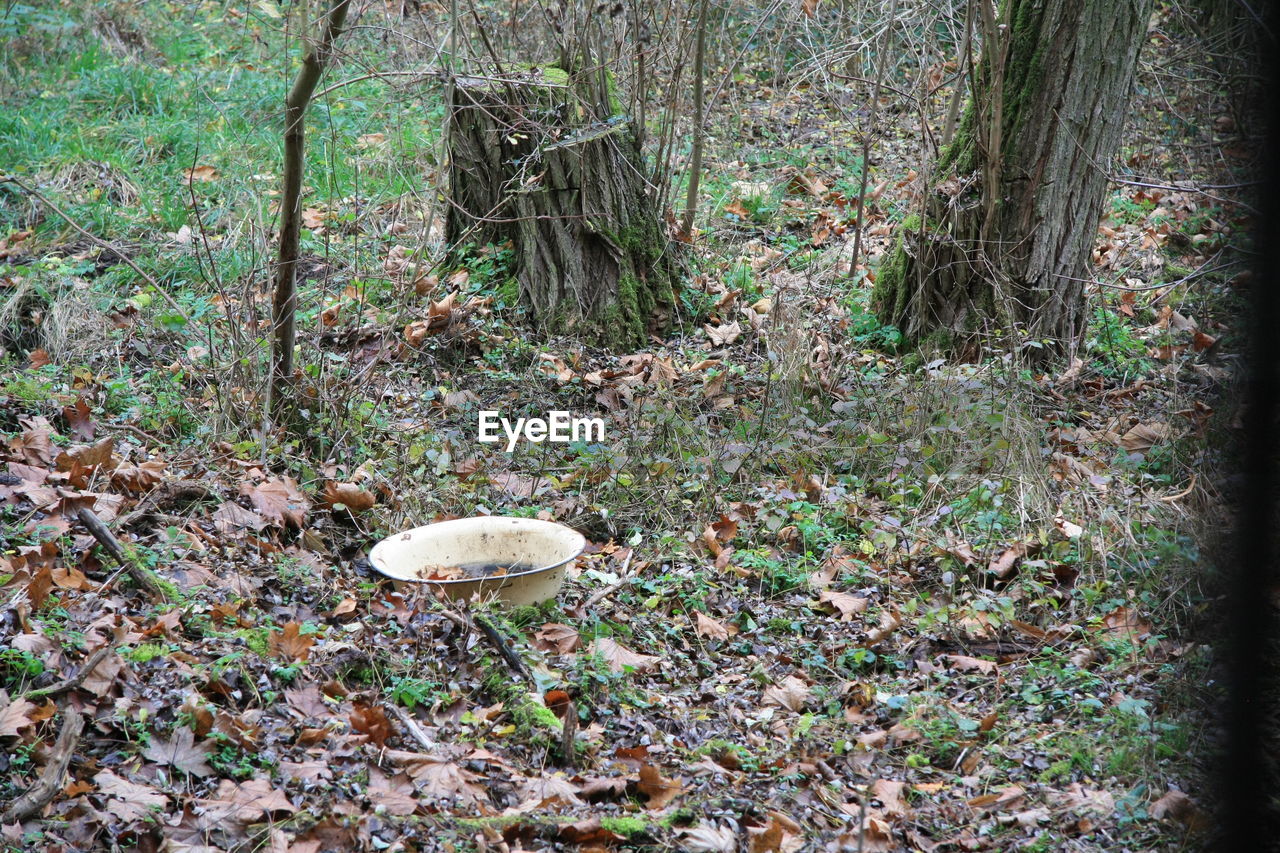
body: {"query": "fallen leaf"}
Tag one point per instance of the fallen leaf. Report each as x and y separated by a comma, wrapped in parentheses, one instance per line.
(550, 789)
(724, 334)
(1127, 622)
(127, 800)
(964, 663)
(708, 838)
(1003, 800)
(1144, 436)
(200, 173)
(710, 628)
(659, 790)
(619, 658)
(371, 720)
(349, 495)
(791, 694)
(15, 716)
(290, 643)
(845, 603)
(556, 637)
(181, 752)
(889, 793)
(279, 501)
(1177, 806)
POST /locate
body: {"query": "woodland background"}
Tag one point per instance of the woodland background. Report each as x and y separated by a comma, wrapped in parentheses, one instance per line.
(847, 588)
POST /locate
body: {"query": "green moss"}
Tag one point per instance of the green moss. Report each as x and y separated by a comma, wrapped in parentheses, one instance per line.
(146, 652)
(554, 74)
(627, 827)
(255, 639)
(891, 295)
(536, 724)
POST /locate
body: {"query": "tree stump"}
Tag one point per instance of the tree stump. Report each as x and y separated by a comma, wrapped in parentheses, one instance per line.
(551, 165)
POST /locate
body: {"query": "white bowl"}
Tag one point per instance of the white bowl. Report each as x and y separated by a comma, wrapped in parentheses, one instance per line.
(541, 551)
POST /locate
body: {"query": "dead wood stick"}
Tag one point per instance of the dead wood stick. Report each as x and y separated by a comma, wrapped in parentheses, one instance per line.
(74, 681)
(49, 784)
(611, 588)
(514, 661)
(412, 726)
(141, 576)
(569, 736)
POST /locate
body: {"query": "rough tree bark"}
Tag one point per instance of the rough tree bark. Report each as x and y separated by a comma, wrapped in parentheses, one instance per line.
(548, 162)
(1005, 239)
(284, 306)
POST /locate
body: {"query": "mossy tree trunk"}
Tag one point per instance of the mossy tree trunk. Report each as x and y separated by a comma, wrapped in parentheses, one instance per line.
(549, 163)
(1005, 240)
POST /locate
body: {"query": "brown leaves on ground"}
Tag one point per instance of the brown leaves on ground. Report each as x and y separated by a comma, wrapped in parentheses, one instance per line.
(710, 628)
(792, 694)
(279, 501)
(128, 801)
(844, 603)
(619, 658)
(659, 790)
(371, 720)
(290, 643)
(558, 638)
(15, 716)
(181, 752)
(349, 496)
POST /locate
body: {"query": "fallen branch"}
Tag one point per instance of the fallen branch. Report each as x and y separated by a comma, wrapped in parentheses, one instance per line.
(74, 681)
(49, 784)
(513, 660)
(569, 736)
(413, 728)
(140, 574)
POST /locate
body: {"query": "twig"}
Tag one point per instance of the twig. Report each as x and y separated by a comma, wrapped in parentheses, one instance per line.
(141, 576)
(413, 728)
(508, 654)
(1182, 494)
(569, 736)
(611, 588)
(74, 681)
(173, 303)
(49, 784)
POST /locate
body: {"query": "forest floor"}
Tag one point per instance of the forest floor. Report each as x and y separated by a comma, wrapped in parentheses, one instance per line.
(834, 597)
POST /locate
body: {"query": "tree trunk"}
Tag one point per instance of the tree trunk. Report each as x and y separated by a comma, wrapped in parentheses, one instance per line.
(1008, 226)
(548, 163)
(284, 307)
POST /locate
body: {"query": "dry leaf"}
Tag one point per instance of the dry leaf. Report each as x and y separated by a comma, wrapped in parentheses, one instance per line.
(558, 638)
(889, 793)
(279, 501)
(200, 173)
(1144, 436)
(371, 720)
(349, 495)
(181, 752)
(724, 334)
(710, 628)
(659, 790)
(964, 663)
(618, 657)
(128, 800)
(290, 643)
(846, 603)
(791, 694)
(706, 838)
(15, 716)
